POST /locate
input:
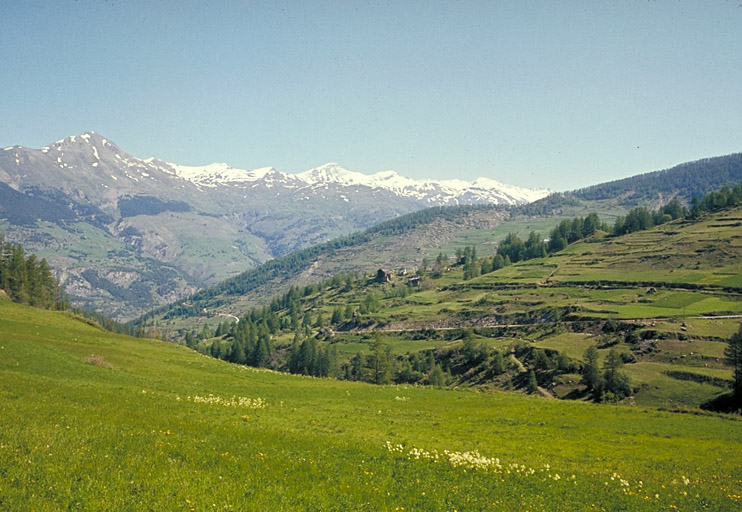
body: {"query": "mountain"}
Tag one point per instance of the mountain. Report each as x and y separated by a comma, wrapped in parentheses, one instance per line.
(333, 175)
(129, 234)
(664, 299)
(687, 180)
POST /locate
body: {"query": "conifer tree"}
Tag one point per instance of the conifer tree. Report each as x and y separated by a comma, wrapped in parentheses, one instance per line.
(437, 378)
(733, 354)
(531, 382)
(591, 371)
(381, 360)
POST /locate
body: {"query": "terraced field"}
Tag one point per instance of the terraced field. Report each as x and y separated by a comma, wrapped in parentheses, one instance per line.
(667, 298)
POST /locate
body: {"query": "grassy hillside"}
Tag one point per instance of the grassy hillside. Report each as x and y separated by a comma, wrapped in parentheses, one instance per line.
(401, 243)
(664, 300)
(95, 421)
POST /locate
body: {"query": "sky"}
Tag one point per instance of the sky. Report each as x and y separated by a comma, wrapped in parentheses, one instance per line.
(547, 94)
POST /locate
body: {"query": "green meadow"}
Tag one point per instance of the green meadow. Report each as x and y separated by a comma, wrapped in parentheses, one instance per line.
(94, 421)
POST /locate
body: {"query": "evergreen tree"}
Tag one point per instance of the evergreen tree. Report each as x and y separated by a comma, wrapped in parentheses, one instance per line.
(424, 265)
(295, 365)
(556, 242)
(575, 231)
(17, 275)
(512, 248)
(306, 322)
(590, 225)
(591, 371)
(535, 247)
(437, 377)
(358, 366)
(498, 363)
(531, 382)
(320, 323)
(260, 353)
(237, 354)
(381, 360)
(348, 313)
(190, 340)
(323, 363)
(614, 380)
(733, 353)
(333, 365)
(308, 357)
(540, 360)
(337, 316)
(498, 262)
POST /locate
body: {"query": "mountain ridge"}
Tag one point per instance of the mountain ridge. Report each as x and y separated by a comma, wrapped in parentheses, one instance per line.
(119, 227)
(113, 223)
(432, 192)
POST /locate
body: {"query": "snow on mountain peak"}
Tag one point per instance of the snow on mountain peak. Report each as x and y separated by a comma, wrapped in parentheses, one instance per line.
(454, 191)
(431, 191)
(332, 173)
(217, 173)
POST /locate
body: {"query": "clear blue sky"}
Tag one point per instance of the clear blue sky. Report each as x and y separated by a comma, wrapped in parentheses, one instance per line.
(554, 94)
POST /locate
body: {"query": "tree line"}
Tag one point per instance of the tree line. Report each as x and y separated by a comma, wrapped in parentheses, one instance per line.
(689, 180)
(512, 249)
(28, 280)
(641, 218)
(297, 261)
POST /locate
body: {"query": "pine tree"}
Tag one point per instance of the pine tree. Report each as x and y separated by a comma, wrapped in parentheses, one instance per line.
(497, 364)
(591, 371)
(348, 313)
(295, 355)
(381, 360)
(615, 381)
(437, 378)
(358, 366)
(733, 355)
(531, 382)
(237, 355)
(337, 316)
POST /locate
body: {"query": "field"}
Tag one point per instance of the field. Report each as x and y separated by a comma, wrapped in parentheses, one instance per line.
(94, 421)
(480, 228)
(666, 299)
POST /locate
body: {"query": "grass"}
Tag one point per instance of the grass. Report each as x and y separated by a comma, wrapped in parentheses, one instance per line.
(662, 283)
(134, 436)
(660, 389)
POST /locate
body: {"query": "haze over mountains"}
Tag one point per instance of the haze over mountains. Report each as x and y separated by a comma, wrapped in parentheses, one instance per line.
(92, 166)
(129, 233)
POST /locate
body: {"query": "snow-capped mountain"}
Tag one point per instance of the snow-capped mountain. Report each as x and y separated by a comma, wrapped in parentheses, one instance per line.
(149, 230)
(92, 165)
(431, 192)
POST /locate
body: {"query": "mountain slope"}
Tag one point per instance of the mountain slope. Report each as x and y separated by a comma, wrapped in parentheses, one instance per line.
(662, 300)
(203, 224)
(400, 243)
(686, 180)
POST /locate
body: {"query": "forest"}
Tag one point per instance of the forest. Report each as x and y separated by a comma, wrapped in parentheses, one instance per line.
(28, 280)
(692, 179)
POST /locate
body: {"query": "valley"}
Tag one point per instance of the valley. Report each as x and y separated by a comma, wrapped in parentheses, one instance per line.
(326, 256)
(119, 227)
(457, 380)
(664, 299)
